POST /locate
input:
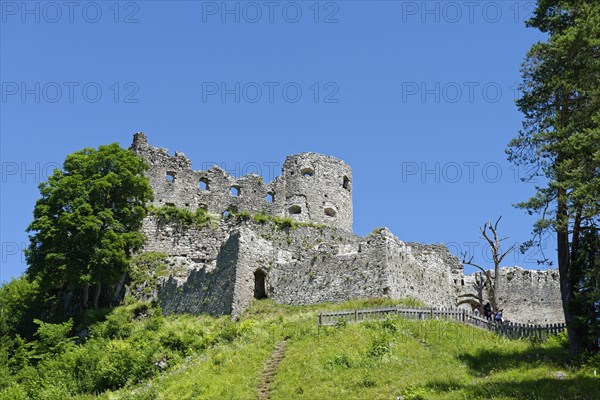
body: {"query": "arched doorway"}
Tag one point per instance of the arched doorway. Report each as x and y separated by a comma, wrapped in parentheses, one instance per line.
(260, 291)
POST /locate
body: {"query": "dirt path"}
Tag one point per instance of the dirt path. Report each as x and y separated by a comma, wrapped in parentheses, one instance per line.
(268, 375)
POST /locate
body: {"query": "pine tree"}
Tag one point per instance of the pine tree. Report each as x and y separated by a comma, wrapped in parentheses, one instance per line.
(560, 137)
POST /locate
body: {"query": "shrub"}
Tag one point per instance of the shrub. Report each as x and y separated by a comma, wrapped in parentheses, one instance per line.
(341, 323)
(53, 339)
(379, 347)
(261, 218)
(19, 303)
(389, 325)
(412, 392)
(125, 320)
(182, 216)
(229, 332)
(368, 382)
(561, 340)
(243, 216)
(340, 360)
(14, 392)
(144, 271)
(285, 223)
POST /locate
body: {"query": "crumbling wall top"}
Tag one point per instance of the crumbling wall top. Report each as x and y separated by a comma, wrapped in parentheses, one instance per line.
(312, 188)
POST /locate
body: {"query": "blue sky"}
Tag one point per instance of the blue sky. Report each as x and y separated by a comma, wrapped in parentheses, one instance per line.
(418, 97)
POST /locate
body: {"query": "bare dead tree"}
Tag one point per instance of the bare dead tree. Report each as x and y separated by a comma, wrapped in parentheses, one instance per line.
(479, 285)
(490, 234)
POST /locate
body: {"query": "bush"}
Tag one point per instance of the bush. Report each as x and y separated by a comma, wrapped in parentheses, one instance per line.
(389, 325)
(14, 392)
(368, 382)
(144, 271)
(125, 320)
(285, 223)
(261, 218)
(54, 339)
(229, 332)
(182, 216)
(380, 346)
(341, 360)
(19, 301)
(412, 392)
(561, 340)
(243, 216)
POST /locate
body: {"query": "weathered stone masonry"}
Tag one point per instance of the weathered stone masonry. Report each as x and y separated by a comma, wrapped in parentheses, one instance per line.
(220, 269)
(313, 187)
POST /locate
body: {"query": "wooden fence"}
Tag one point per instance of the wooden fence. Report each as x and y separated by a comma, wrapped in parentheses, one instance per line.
(512, 330)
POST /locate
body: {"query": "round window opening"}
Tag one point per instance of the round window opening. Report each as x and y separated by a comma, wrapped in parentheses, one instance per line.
(307, 172)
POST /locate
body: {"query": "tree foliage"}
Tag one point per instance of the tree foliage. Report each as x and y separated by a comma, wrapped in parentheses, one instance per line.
(560, 137)
(19, 302)
(87, 222)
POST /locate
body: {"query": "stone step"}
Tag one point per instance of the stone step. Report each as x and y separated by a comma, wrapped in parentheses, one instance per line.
(270, 370)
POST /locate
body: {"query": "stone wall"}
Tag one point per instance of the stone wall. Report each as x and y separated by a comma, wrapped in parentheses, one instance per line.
(526, 296)
(204, 290)
(423, 272)
(530, 296)
(213, 269)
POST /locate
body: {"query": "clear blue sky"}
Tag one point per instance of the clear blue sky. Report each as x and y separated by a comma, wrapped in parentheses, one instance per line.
(418, 97)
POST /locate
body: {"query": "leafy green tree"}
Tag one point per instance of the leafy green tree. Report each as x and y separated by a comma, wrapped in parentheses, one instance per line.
(560, 137)
(18, 305)
(87, 222)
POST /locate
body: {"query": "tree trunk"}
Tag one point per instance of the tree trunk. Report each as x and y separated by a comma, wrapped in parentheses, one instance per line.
(564, 270)
(86, 296)
(116, 298)
(496, 268)
(97, 294)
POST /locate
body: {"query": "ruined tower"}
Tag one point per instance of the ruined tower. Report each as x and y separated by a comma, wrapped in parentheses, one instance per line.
(318, 188)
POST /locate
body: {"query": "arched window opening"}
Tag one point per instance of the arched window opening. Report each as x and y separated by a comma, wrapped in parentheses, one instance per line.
(270, 197)
(295, 210)
(330, 212)
(307, 172)
(203, 184)
(234, 191)
(346, 183)
(260, 291)
(170, 177)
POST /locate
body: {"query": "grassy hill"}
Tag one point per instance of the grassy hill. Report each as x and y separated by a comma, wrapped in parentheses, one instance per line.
(135, 353)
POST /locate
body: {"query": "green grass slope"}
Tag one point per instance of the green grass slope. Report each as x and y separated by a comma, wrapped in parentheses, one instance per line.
(138, 355)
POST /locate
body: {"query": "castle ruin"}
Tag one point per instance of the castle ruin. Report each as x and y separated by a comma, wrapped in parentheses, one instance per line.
(220, 268)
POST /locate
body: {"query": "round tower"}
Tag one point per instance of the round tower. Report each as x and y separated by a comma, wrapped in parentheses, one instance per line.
(318, 188)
